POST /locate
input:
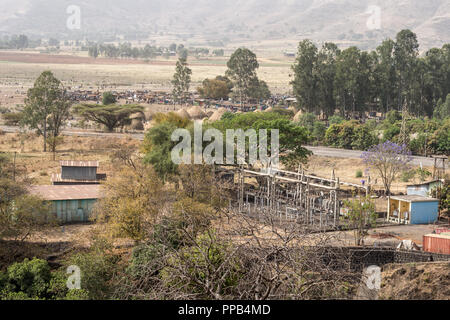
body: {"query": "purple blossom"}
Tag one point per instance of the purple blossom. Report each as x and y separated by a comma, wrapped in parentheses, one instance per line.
(397, 155)
(388, 159)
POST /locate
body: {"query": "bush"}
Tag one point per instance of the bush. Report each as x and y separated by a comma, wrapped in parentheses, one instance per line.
(363, 139)
(332, 135)
(440, 141)
(336, 119)
(391, 133)
(77, 295)
(97, 268)
(307, 120)
(318, 132)
(393, 116)
(31, 277)
(359, 174)
(419, 145)
(423, 174)
(146, 263)
(407, 176)
(13, 118)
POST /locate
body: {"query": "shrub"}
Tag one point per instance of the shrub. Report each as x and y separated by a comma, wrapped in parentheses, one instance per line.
(29, 278)
(440, 141)
(97, 268)
(319, 130)
(391, 133)
(419, 145)
(336, 119)
(307, 120)
(393, 116)
(331, 135)
(363, 139)
(359, 174)
(346, 134)
(423, 174)
(13, 118)
(77, 295)
(408, 175)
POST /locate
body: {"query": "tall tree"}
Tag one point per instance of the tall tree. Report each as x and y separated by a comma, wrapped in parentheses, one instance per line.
(305, 79)
(242, 68)
(385, 75)
(406, 51)
(46, 107)
(326, 75)
(351, 80)
(181, 81)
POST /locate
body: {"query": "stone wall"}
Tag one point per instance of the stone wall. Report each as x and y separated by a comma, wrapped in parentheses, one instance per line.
(355, 258)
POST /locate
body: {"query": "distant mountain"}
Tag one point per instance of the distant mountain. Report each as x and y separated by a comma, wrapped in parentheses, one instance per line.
(342, 21)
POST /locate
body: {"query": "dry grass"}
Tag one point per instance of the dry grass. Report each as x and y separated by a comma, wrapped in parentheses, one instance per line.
(40, 166)
(346, 170)
(17, 77)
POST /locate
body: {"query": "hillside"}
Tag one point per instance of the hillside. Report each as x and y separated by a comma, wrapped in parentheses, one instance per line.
(203, 21)
(430, 281)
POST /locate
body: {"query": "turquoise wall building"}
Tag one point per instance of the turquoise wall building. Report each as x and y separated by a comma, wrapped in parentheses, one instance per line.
(72, 203)
(72, 211)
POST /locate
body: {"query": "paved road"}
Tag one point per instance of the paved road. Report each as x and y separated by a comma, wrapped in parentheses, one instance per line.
(318, 151)
(354, 154)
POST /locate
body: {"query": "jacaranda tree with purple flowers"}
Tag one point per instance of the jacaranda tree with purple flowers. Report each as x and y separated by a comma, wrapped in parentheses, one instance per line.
(388, 159)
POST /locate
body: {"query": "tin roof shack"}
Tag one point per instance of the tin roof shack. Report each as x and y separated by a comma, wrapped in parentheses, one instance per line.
(72, 203)
(78, 173)
(413, 209)
(423, 189)
(437, 243)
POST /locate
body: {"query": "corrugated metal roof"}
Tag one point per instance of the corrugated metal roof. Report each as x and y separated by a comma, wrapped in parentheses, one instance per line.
(414, 198)
(424, 183)
(77, 192)
(56, 177)
(70, 163)
(440, 236)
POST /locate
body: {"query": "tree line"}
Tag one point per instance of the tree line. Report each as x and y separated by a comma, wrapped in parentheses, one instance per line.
(126, 50)
(19, 42)
(389, 78)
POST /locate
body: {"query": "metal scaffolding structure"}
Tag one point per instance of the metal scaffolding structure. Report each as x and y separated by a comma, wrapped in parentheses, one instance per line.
(292, 196)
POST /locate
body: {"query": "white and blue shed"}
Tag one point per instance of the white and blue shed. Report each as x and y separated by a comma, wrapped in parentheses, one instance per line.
(413, 209)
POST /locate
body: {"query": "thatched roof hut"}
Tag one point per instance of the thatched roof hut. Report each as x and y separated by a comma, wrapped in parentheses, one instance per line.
(218, 114)
(148, 113)
(293, 109)
(183, 113)
(196, 113)
(298, 116)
